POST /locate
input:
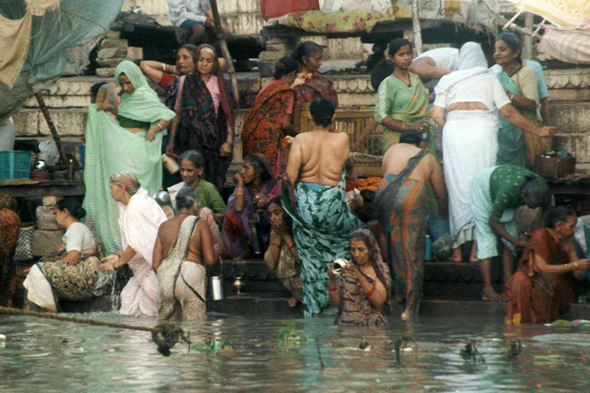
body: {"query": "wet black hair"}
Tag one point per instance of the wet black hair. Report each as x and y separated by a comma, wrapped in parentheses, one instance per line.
(258, 166)
(186, 198)
(74, 206)
(305, 49)
(513, 41)
(411, 137)
(396, 45)
(285, 66)
(193, 156)
(322, 111)
(536, 192)
(94, 91)
(558, 214)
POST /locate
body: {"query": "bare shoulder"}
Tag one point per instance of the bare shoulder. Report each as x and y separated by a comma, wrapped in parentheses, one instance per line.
(342, 137)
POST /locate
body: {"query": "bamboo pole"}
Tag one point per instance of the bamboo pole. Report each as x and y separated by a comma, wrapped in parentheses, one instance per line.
(501, 20)
(527, 50)
(225, 52)
(62, 155)
(416, 27)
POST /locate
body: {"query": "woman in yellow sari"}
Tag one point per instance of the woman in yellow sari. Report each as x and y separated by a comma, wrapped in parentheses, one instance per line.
(402, 99)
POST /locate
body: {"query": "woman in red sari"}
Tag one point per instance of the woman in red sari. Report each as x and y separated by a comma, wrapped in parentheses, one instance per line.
(541, 288)
(270, 119)
(309, 55)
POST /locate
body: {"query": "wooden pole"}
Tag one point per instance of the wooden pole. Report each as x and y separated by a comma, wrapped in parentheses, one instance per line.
(225, 52)
(527, 50)
(500, 20)
(62, 155)
(417, 28)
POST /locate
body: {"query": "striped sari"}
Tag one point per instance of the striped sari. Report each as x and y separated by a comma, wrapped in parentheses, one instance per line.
(402, 211)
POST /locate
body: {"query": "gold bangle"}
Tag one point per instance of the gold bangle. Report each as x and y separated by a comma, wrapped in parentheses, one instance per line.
(576, 264)
(158, 124)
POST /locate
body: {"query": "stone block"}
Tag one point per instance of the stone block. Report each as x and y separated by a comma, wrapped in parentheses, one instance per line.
(134, 53)
(114, 43)
(46, 218)
(113, 35)
(67, 122)
(272, 56)
(50, 200)
(46, 242)
(109, 53)
(113, 62)
(276, 47)
(105, 72)
(26, 122)
(266, 68)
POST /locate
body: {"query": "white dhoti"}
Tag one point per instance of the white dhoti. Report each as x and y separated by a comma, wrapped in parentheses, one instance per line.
(470, 144)
(39, 289)
(481, 205)
(140, 296)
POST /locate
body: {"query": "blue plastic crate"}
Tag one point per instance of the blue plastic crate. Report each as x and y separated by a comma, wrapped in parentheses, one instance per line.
(15, 164)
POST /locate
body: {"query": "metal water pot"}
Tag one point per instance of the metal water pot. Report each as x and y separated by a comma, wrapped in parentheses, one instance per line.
(217, 288)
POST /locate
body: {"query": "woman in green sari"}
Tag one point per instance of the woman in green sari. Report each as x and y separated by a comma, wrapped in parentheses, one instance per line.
(402, 99)
(132, 141)
(521, 86)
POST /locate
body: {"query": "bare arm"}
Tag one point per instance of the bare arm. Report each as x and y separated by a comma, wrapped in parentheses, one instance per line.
(114, 109)
(499, 229)
(523, 102)
(437, 182)
(209, 254)
(155, 70)
(239, 202)
(378, 296)
(295, 160)
(333, 295)
(394, 125)
(515, 118)
(438, 115)
(288, 127)
(426, 68)
(173, 130)
(114, 261)
(72, 257)
(157, 254)
(542, 266)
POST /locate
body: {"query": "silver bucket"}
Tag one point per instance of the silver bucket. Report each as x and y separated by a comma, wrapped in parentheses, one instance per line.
(217, 287)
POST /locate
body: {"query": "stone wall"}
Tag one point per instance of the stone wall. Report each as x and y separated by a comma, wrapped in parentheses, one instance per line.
(68, 100)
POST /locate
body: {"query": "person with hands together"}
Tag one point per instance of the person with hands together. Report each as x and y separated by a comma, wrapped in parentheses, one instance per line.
(362, 290)
(541, 289)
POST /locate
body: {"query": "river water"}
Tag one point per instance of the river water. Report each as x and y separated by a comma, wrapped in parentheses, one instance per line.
(42, 355)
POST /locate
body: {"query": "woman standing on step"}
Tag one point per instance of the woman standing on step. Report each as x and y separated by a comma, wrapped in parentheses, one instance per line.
(131, 141)
(270, 119)
(362, 290)
(73, 272)
(310, 84)
(204, 117)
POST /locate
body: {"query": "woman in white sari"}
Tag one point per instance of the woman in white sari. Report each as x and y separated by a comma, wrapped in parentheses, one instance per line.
(139, 219)
(470, 131)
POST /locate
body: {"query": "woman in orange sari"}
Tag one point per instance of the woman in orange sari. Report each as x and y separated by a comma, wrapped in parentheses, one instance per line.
(270, 119)
(309, 55)
(541, 288)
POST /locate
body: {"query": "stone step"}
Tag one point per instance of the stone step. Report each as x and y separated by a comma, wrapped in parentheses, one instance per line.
(277, 307)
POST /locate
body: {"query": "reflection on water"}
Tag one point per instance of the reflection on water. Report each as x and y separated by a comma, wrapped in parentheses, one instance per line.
(45, 355)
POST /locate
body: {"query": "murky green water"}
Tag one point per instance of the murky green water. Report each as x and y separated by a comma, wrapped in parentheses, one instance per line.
(44, 355)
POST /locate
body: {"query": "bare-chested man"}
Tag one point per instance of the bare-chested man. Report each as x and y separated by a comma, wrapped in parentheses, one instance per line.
(401, 206)
(183, 244)
(322, 223)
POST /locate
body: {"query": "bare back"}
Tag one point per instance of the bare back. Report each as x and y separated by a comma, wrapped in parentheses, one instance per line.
(318, 157)
(427, 171)
(200, 246)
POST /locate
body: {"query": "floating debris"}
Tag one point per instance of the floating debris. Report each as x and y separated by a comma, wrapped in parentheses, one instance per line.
(214, 346)
(514, 350)
(290, 337)
(470, 352)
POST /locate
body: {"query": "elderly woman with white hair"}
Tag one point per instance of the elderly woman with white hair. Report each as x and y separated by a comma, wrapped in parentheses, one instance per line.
(139, 219)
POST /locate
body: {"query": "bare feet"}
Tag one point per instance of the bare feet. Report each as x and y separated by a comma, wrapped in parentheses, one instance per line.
(406, 315)
(489, 295)
(457, 255)
(292, 302)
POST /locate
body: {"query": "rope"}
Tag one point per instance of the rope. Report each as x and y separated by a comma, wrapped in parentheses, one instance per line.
(165, 335)
(83, 17)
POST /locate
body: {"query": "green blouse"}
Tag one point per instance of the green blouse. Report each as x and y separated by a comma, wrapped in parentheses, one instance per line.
(506, 184)
(126, 122)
